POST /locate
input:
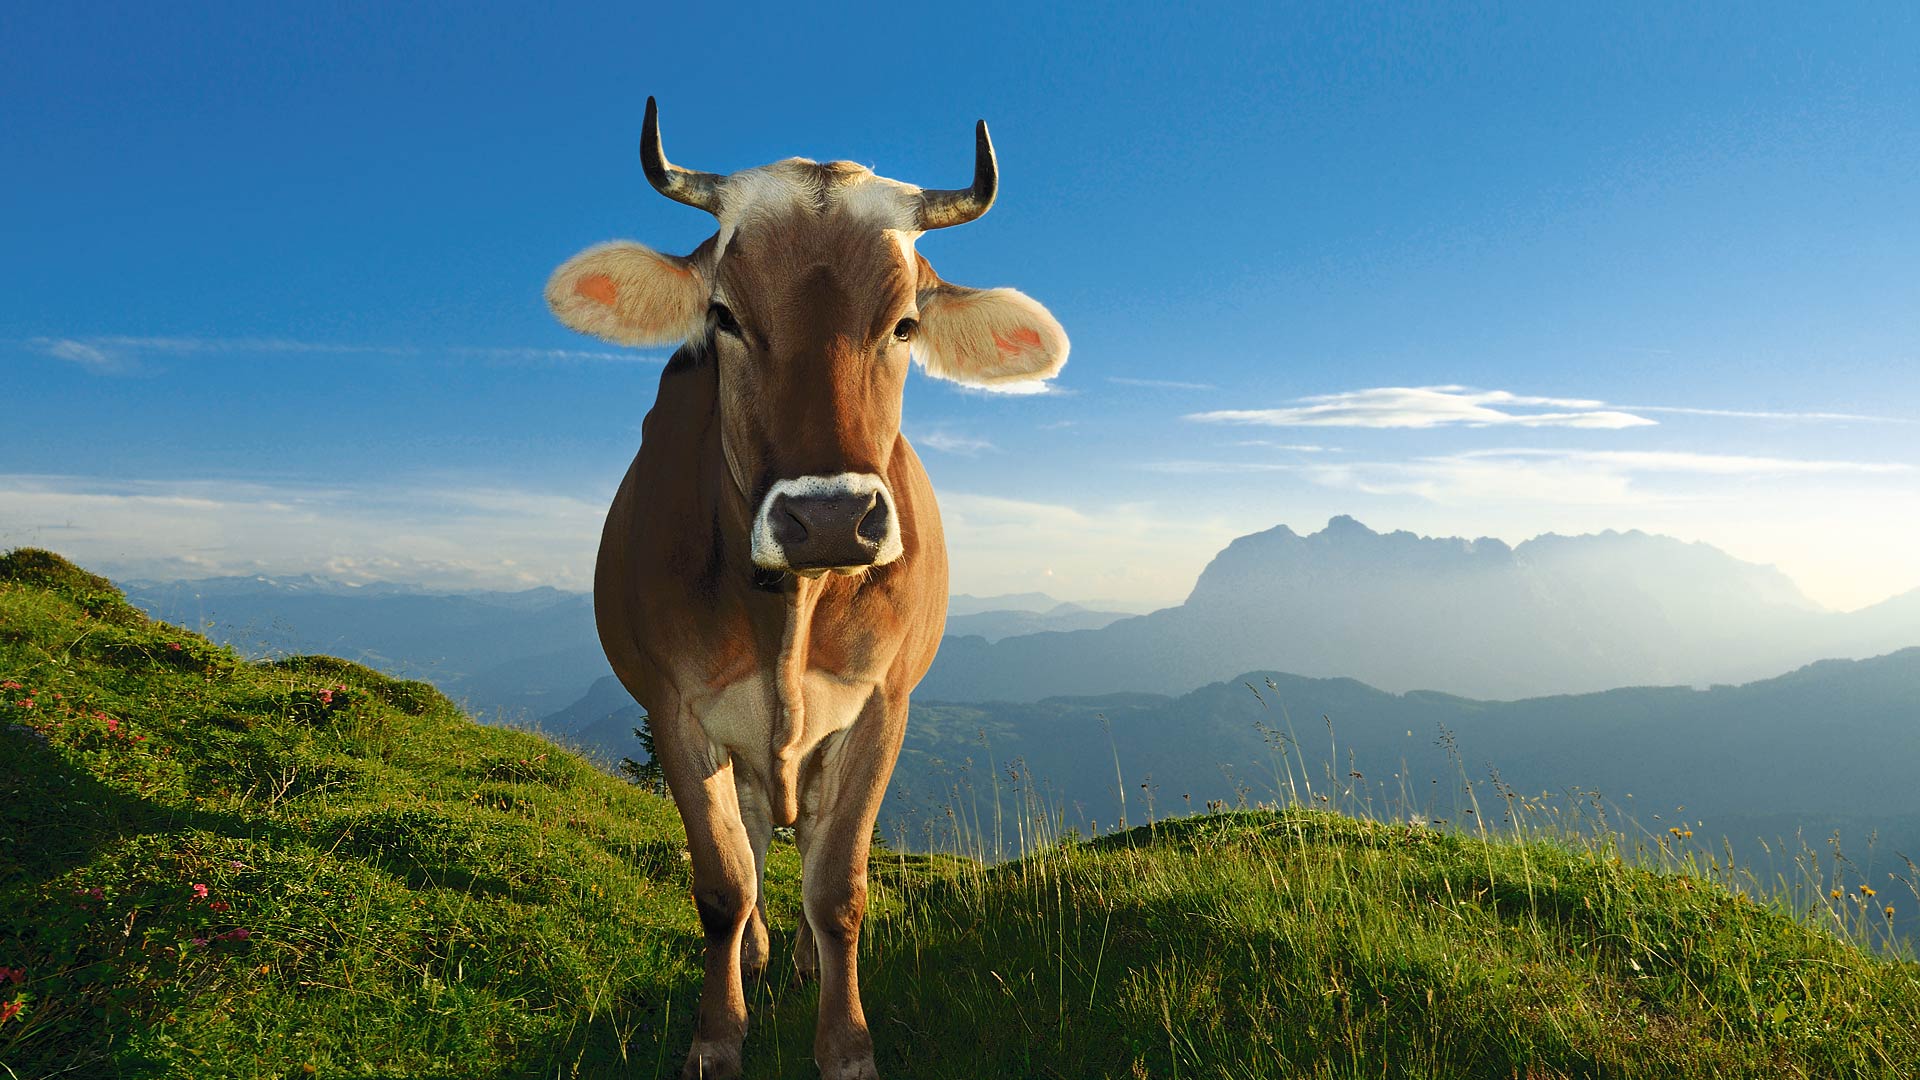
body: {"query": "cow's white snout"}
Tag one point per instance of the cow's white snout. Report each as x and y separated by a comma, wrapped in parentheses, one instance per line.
(843, 521)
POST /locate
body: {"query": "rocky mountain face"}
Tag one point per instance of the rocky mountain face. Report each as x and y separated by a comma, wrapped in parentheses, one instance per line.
(1555, 614)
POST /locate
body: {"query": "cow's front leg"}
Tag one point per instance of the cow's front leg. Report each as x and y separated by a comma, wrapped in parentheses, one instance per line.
(723, 891)
(853, 779)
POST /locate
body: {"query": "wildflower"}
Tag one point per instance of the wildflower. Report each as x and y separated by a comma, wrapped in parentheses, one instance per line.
(237, 865)
(8, 1011)
(13, 975)
(1888, 910)
(326, 697)
(1867, 891)
(174, 645)
(219, 905)
(199, 941)
(199, 891)
(1836, 894)
(11, 685)
(25, 703)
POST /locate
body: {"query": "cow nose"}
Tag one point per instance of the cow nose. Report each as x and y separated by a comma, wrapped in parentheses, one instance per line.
(834, 530)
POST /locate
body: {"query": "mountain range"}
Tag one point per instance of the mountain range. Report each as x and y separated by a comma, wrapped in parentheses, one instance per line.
(1478, 618)
(1553, 615)
(507, 657)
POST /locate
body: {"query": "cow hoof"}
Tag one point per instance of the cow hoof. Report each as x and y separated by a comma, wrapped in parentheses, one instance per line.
(858, 1069)
(712, 1061)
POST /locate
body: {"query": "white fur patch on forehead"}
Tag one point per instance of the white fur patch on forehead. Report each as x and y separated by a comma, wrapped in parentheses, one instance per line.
(798, 185)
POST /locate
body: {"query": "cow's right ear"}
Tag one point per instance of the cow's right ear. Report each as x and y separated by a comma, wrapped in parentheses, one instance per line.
(630, 294)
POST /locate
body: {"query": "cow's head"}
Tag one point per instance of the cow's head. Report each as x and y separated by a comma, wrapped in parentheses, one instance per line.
(810, 300)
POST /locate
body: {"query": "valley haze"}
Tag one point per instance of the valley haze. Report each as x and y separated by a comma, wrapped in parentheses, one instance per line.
(1617, 663)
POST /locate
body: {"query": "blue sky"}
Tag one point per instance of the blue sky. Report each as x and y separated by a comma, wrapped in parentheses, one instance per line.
(273, 279)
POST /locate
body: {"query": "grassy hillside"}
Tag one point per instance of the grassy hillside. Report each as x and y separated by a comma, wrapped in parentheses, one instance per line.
(1831, 748)
(210, 867)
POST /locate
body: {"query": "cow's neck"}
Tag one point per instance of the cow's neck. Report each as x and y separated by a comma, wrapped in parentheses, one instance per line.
(782, 613)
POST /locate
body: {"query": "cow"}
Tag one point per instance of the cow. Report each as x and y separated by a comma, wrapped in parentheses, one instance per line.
(772, 576)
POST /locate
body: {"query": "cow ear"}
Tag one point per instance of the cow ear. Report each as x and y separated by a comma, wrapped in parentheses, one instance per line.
(629, 294)
(987, 336)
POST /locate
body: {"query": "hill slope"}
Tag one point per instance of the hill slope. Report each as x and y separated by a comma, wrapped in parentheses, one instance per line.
(218, 868)
(1830, 746)
(507, 657)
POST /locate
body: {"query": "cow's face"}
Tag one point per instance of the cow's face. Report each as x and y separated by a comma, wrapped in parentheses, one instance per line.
(812, 303)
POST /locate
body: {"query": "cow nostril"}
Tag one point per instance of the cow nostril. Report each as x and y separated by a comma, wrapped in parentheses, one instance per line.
(873, 525)
(788, 527)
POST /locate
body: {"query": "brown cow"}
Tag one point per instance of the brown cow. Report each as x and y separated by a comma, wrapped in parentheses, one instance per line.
(772, 578)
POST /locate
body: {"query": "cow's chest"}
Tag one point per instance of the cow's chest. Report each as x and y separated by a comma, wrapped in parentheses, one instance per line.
(742, 718)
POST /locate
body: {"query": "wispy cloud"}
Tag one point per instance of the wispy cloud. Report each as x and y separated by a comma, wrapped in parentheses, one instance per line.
(1200, 467)
(1010, 389)
(1755, 414)
(1297, 448)
(121, 354)
(1688, 462)
(1430, 407)
(1160, 384)
(92, 357)
(1586, 477)
(1542, 475)
(420, 533)
(948, 442)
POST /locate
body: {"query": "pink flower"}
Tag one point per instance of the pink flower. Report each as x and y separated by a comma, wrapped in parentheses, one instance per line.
(219, 905)
(199, 891)
(113, 726)
(326, 697)
(237, 865)
(174, 645)
(11, 685)
(25, 703)
(238, 933)
(199, 941)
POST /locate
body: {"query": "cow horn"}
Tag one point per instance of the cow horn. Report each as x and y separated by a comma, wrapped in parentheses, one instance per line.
(939, 209)
(696, 189)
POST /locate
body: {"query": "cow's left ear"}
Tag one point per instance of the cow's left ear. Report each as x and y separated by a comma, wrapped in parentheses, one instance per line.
(630, 294)
(987, 336)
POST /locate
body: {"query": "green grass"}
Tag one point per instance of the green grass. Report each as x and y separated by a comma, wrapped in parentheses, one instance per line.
(425, 897)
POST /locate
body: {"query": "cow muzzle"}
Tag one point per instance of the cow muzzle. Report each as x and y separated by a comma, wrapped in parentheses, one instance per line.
(813, 524)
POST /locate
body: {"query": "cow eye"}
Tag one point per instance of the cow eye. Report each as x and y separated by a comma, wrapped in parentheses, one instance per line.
(723, 319)
(903, 330)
